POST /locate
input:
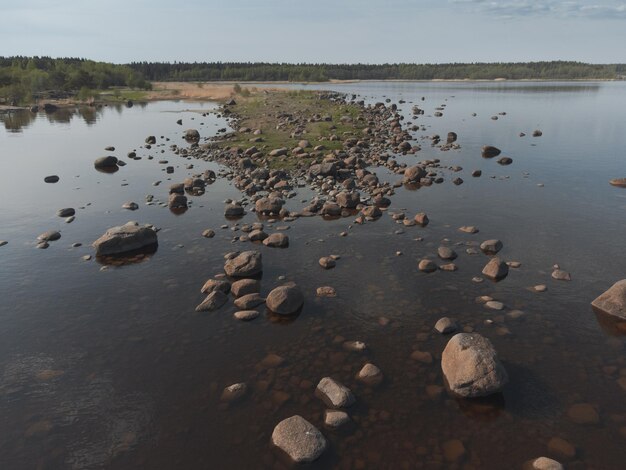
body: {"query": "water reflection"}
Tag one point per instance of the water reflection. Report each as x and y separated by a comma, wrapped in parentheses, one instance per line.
(611, 324)
(128, 258)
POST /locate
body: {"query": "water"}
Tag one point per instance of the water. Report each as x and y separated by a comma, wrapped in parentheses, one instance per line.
(113, 369)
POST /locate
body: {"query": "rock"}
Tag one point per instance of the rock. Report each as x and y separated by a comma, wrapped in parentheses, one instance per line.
(131, 206)
(494, 305)
(3, 242)
(469, 229)
(613, 301)
(246, 264)
(619, 182)
(326, 291)
(51, 179)
(372, 212)
(335, 418)
(215, 284)
(543, 463)
(496, 269)
(285, 300)
(583, 413)
(348, 200)
(505, 161)
(128, 237)
(334, 394)
(489, 152)
(561, 448)
(414, 174)
(150, 140)
(453, 450)
(446, 253)
(299, 439)
(561, 275)
(213, 301)
(427, 266)
(246, 315)
(452, 137)
(421, 219)
(249, 301)
(477, 173)
(105, 162)
(257, 235)
(67, 212)
(540, 288)
(327, 262)
(177, 201)
(491, 247)
(234, 392)
(49, 236)
(192, 135)
(208, 233)
(537, 133)
(277, 240)
(233, 210)
(370, 375)
(445, 326)
(245, 286)
(269, 205)
(457, 181)
(471, 366)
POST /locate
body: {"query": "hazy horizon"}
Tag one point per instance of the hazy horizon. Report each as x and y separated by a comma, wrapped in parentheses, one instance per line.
(294, 31)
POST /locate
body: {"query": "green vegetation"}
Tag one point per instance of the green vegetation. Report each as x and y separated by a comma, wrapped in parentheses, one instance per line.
(241, 72)
(25, 79)
(266, 110)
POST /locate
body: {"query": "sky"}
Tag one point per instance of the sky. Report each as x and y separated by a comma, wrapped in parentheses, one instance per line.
(331, 31)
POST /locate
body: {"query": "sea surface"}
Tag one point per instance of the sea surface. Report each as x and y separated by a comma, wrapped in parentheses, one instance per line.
(108, 366)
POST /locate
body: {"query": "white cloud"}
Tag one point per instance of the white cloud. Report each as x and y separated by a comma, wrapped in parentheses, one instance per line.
(552, 8)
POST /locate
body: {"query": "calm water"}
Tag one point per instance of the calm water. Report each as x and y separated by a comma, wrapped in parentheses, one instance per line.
(113, 369)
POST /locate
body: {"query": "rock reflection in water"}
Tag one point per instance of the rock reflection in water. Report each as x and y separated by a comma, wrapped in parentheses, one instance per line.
(128, 258)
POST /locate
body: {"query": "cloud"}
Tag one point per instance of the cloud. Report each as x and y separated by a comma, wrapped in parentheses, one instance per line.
(546, 8)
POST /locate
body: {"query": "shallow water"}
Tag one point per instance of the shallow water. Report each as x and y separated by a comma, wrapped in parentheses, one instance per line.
(113, 369)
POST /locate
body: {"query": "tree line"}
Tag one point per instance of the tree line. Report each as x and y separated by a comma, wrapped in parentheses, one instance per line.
(24, 79)
(233, 71)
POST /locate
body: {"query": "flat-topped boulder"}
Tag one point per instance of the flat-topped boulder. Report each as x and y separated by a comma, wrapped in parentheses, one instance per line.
(613, 301)
(334, 394)
(471, 366)
(246, 264)
(128, 237)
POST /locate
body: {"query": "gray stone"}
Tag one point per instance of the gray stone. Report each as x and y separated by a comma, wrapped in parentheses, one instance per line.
(335, 418)
(215, 284)
(471, 366)
(496, 269)
(285, 300)
(334, 394)
(445, 326)
(128, 237)
(249, 301)
(299, 439)
(370, 374)
(214, 301)
(613, 301)
(269, 205)
(245, 286)
(246, 264)
(491, 247)
(447, 253)
(246, 315)
(67, 212)
(277, 240)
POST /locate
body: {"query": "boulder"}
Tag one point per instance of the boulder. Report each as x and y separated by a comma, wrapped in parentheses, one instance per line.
(370, 374)
(613, 301)
(51, 179)
(67, 212)
(105, 162)
(269, 205)
(249, 301)
(334, 394)
(348, 200)
(471, 366)
(489, 151)
(299, 439)
(446, 326)
(215, 284)
(335, 418)
(192, 135)
(496, 269)
(414, 174)
(491, 247)
(285, 300)
(177, 201)
(246, 264)
(128, 237)
(277, 240)
(233, 210)
(427, 266)
(213, 301)
(446, 253)
(245, 286)
(421, 219)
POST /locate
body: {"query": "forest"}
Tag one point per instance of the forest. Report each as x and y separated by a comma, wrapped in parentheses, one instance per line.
(25, 79)
(216, 71)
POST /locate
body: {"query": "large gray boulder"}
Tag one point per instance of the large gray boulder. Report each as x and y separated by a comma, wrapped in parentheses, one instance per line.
(285, 300)
(128, 237)
(246, 264)
(613, 301)
(471, 366)
(299, 439)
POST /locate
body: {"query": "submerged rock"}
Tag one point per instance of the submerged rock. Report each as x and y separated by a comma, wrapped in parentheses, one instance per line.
(613, 301)
(299, 439)
(471, 366)
(128, 237)
(543, 463)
